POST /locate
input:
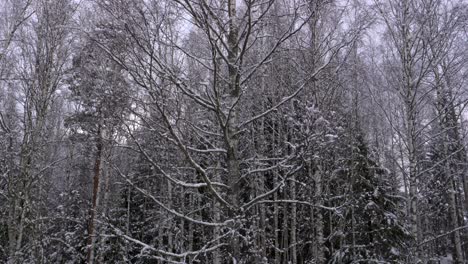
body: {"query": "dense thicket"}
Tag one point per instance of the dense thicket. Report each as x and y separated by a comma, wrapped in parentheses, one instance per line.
(252, 131)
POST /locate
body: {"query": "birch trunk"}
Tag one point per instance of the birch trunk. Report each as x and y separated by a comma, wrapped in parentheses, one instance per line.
(169, 234)
(318, 224)
(409, 93)
(217, 217)
(285, 231)
(276, 223)
(293, 244)
(192, 204)
(127, 225)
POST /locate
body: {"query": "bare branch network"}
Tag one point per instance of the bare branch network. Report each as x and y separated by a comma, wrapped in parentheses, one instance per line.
(233, 131)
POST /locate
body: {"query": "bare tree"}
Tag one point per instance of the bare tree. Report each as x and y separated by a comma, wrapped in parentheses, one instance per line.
(231, 32)
(40, 69)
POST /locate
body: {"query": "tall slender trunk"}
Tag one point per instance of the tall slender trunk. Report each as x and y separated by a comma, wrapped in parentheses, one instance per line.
(216, 253)
(465, 189)
(285, 238)
(409, 92)
(459, 259)
(11, 229)
(318, 224)
(95, 200)
(170, 239)
(231, 135)
(192, 204)
(293, 225)
(105, 203)
(276, 223)
(127, 226)
(217, 217)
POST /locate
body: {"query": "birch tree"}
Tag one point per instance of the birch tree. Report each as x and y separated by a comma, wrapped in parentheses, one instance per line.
(40, 68)
(253, 131)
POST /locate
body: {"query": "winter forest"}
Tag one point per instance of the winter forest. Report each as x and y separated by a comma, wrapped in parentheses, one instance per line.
(234, 131)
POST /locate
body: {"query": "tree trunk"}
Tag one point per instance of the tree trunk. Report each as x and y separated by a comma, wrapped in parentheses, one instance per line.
(95, 200)
(192, 204)
(285, 232)
(231, 135)
(459, 259)
(127, 225)
(293, 223)
(409, 93)
(318, 224)
(217, 217)
(276, 222)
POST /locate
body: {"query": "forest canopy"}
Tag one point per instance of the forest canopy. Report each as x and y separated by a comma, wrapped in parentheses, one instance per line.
(233, 131)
